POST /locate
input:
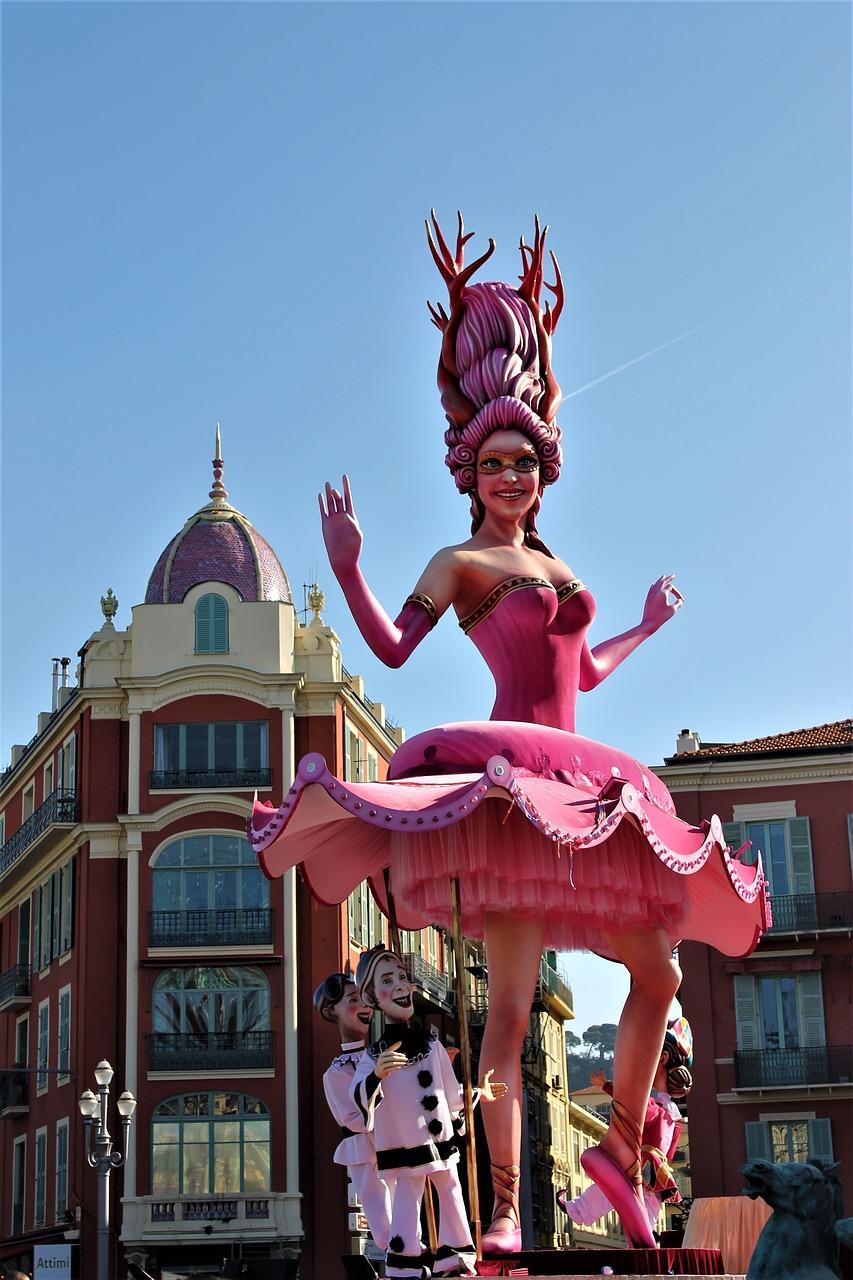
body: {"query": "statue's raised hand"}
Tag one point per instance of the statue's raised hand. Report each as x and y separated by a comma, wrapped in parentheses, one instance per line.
(341, 532)
(662, 603)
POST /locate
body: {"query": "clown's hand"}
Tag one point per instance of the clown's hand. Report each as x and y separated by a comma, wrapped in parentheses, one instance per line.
(389, 1060)
(491, 1092)
(598, 1079)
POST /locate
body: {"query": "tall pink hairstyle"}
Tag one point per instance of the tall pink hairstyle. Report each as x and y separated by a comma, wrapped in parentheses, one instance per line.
(495, 370)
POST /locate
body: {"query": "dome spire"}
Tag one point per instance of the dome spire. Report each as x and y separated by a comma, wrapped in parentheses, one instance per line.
(218, 493)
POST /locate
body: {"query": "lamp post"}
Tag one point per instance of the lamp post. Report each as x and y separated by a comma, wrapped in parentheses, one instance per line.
(94, 1112)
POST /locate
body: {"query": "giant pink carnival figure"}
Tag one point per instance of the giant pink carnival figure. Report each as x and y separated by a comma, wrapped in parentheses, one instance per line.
(555, 840)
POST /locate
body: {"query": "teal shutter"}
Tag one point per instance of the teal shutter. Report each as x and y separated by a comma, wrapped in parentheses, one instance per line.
(46, 918)
(734, 834)
(64, 1063)
(56, 924)
(850, 837)
(68, 905)
(757, 1140)
(746, 1014)
(211, 624)
(37, 929)
(820, 1139)
(801, 855)
(811, 1009)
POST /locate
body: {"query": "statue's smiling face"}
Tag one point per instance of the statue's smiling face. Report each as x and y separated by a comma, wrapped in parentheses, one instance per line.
(507, 473)
(393, 990)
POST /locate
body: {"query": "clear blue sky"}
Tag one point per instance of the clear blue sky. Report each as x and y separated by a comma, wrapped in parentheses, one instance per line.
(214, 211)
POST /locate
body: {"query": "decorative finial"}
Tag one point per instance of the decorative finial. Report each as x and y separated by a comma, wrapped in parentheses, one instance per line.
(109, 606)
(316, 600)
(218, 493)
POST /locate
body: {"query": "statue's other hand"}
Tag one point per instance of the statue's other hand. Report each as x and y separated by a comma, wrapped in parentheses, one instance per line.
(662, 602)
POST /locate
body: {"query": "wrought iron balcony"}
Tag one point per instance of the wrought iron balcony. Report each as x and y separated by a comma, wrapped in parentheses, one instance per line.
(426, 977)
(211, 1050)
(204, 779)
(811, 912)
(59, 807)
(14, 1092)
(782, 1068)
(15, 987)
(223, 927)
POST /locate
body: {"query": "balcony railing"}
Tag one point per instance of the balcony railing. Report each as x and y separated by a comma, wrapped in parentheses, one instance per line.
(811, 912)
(15, 987)
(59, 807)
(551, 987)
(203, 779)
(780, 1068)
(211, 1050)
(223, 927)
(14, 1092)
(426, 977)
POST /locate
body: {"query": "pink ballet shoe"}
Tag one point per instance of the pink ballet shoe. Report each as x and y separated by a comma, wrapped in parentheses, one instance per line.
(501, 1239)
(623, 1187)
(622, 1194)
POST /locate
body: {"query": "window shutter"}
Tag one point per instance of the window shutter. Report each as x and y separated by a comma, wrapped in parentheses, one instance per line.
(801, 855)
(68, 905)
(47, 916)
(734, 834)
(37, 928)
(811, 1009)
(820, 1139)
(850, 837)
(745, 1011)
(56, 925)
(757, 1140)
(64, 1031)
(219, 625)
(203, 625)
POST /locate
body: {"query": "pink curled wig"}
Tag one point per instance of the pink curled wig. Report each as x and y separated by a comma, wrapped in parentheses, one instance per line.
(494, 371)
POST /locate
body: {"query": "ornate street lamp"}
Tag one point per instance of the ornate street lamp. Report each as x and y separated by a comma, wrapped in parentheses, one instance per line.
(94, 1112)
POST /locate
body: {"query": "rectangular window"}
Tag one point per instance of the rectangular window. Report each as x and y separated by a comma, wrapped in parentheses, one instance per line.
(28, 803)
(24, 932)
(775, 1013)
(41, 1177)
(2, 829)
(372, 766)
(19, 1174)
(63, 1054)
(219, 747)
(68, 758)
(22, 1041)
(47, 778)
(43, 1045)
(789, 1138)
(61, 1169)
(786, 852)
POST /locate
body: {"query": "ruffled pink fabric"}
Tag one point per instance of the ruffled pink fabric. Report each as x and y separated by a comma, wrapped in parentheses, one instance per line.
(500, 859)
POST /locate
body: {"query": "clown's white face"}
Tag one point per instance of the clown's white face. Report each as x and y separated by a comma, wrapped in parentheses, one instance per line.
(393, 990)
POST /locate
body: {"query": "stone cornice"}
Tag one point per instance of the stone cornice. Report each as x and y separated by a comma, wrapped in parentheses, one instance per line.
(146, 693)
(713, 775)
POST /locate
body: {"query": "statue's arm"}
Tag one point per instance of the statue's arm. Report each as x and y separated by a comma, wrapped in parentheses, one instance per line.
(662, 603)
(391, 641)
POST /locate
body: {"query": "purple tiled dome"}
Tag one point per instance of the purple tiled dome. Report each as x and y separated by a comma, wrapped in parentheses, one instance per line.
(218, 544)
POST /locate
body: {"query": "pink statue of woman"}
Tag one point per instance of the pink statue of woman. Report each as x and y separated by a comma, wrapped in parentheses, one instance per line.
(556, 841)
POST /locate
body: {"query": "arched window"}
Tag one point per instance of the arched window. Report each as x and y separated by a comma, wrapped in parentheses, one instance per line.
(211, 624)
(210, 1143)
(201, 1000)
(208, 872)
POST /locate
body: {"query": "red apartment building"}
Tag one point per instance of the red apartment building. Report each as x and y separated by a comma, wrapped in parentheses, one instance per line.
(774, 1032)
(135, 925)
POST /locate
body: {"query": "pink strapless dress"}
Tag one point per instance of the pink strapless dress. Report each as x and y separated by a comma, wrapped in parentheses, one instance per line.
(533, 819)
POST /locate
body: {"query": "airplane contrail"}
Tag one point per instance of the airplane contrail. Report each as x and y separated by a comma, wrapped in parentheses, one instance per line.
(654, 351)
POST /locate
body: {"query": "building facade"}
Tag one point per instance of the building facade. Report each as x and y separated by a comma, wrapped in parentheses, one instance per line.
(773, 1063)
(136, 926)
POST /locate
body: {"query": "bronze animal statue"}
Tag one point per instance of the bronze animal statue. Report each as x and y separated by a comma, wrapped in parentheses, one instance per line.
(799, 1241)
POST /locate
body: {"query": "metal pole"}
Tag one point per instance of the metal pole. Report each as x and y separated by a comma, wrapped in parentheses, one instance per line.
(103, 1146)
(465, 1054)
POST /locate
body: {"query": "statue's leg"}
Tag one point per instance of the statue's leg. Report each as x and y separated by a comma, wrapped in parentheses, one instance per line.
(513, 952)
(655, 978)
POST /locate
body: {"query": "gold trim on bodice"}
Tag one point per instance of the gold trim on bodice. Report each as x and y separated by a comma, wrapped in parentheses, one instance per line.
(505, 588)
